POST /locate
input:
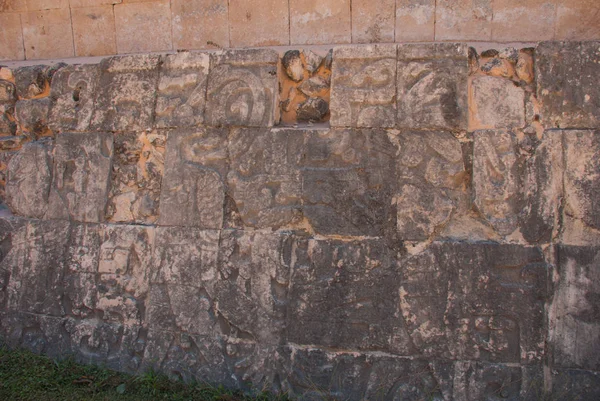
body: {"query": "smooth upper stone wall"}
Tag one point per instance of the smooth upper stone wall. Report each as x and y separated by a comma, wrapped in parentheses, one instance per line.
(438, 238)
(46, 29)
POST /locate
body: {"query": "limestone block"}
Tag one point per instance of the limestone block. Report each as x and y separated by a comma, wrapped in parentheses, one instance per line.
(8, 92)
(350, 375)
(133, 32)
(126, 96)
(309, 17)
(182, 90)
(73, 90)
(567, 76)
(29, 180)
(32, 116)
(575, 330)
(373, 21)
(8, 98)
(363, 86)
(495, 103)
(8, 225)
(200, 24)
(344, 295)
(46, 4)
(251, 299)
(477, 302)
(582, 187)
(37, 333)
(195, 174)
(91, 3)
(464, 20)
(258, 23)
(10, 6)
(32, 81)
(518, 184)
(576, 20)
(36, 265)
(515, 21)
(94, 30)
(47, 34)
(125, 268)
(569, 384)
(430, 182)
(11, 36)
(264, 181)
(242, 88)
(415, 20)
(80, 180)
(432, 86)
(136, 178)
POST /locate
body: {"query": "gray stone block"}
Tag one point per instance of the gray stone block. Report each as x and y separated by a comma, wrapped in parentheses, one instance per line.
(432, 86)
(82, 164)
(182, 90)
(126, 93)
(363, 86)
(242, 88)
(32, 116)
(567, 84)
(495, 103)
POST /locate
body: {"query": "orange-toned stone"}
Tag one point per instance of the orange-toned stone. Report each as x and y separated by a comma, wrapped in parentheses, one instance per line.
(320, 21)
(47, 34)
(373, 21)
(36, 5)
(200, 24)
(94, 31)
(578, 20)
(92, 3)
(463, 20)
(515, 20)
(415, 20)
(143, 27)
(11, 6)
(258, 23)
(11, 37)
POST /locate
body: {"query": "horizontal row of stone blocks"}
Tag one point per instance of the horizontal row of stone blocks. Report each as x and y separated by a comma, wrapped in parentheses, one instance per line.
(409, 185)
(278, 309)
(42, 29)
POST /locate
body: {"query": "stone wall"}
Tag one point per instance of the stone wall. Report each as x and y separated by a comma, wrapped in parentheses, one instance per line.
(42, 29)
(438, 238)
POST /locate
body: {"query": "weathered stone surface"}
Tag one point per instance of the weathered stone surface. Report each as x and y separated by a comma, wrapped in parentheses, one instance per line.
(29, 180)
(133, 32)
(47, 34)
(517, 183)
(11, 33)
(36, 264)
(430, 182)
(126, 96)
(94, 30)
(242, 88)
(576, 20)
(513, 20)
(31, 81)
(363, 86)
(373, 21)
(81, 175)
(37, 333)
(136, 178)
(32, 116)
(182, 90)
(495, 103)
(264, 180)
(464, 20)
(348, 182)
(415, 20)
(4, 161)
(8, 92)
(476, 301)
(308, 17)
(575, 384)
(73, 90)
(193, 193)
(344, 295)
(432, 86)
(575, 330)
(258, 23)
(582, 187)
(317, 374)
(567, 75)
(200, 24)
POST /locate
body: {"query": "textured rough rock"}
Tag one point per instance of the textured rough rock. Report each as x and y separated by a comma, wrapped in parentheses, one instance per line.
(126, 93)
(293, 66)
(32, 116)
(495, 103)
(194, 181)
(242, 88)
(8, 98)
(82, 165)
(432, 86)
(182, 90)
(430, 177)
(264, 179)
(363, 87)
(136, 178)
(29, 180)
(575, 335)
(567, 77)
(73, 90)
(31, 81)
